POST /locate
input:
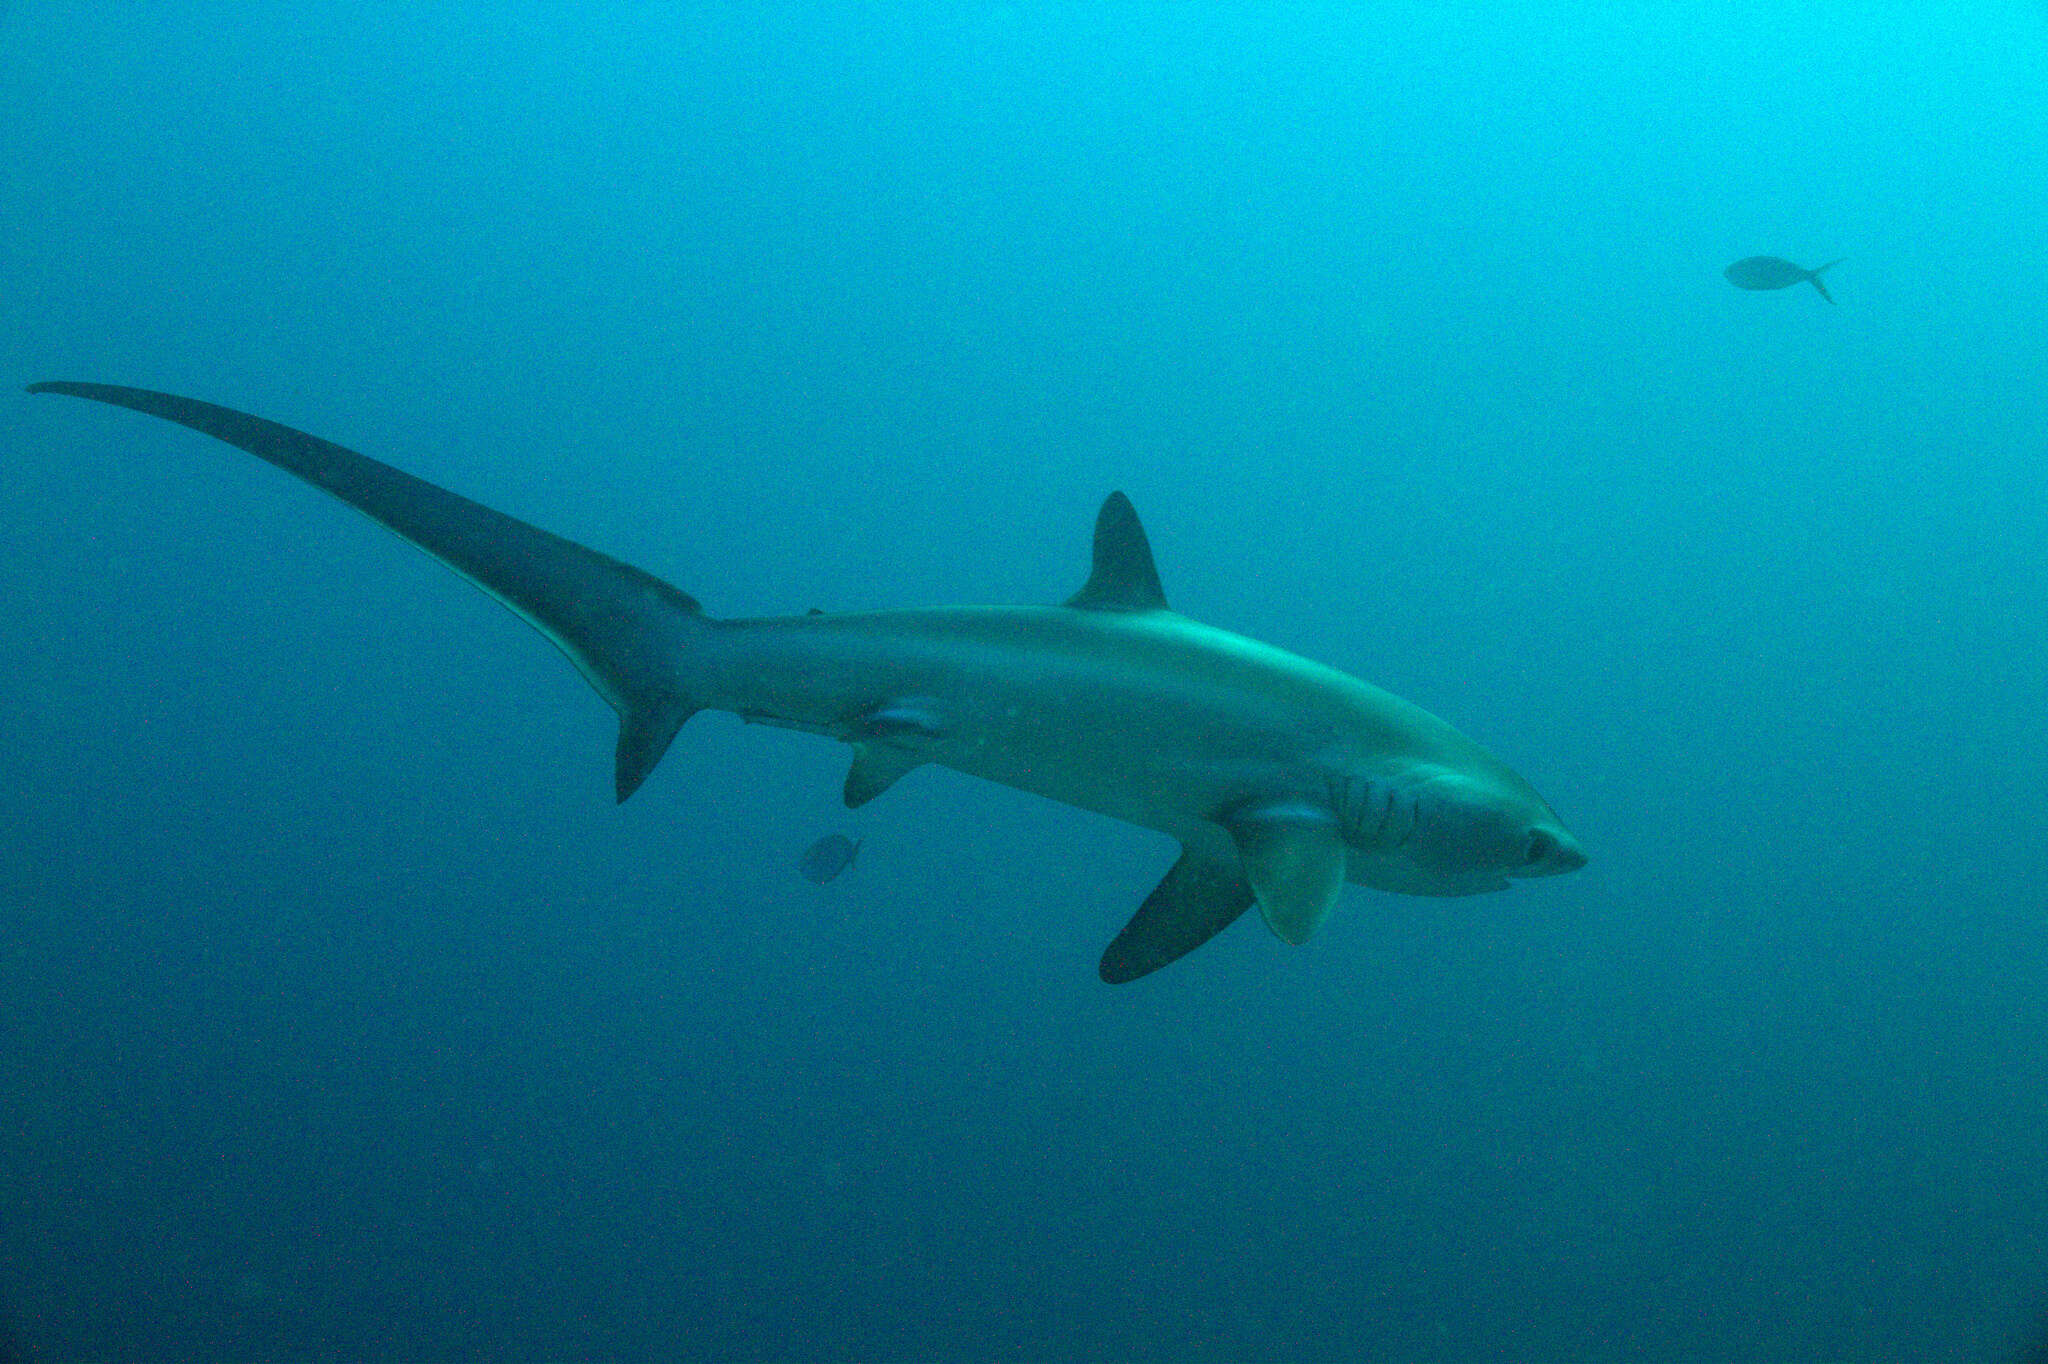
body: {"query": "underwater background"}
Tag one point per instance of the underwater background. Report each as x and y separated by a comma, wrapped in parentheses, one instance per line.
(344, 1016)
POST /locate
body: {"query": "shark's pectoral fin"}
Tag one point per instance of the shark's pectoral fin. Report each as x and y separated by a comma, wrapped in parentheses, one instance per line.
(1198, 899)
(876, 767)
(1295, 860)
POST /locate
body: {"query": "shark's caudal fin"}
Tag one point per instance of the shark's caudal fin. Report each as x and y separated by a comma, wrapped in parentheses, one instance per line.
(1813, 277)
(627, 631)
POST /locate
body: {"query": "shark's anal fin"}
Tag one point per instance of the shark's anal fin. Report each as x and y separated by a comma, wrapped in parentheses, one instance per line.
(1294, 858)
(628, 632)
(1123, 576)
(1199, 898)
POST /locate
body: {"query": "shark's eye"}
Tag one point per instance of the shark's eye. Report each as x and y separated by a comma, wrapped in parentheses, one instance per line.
(1542, 847)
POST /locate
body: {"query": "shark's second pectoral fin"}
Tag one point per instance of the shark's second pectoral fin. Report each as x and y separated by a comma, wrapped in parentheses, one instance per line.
(1295, 860)
(1198, 899)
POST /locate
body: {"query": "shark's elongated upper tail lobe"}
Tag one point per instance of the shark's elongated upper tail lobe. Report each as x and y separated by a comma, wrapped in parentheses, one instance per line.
(631, 634)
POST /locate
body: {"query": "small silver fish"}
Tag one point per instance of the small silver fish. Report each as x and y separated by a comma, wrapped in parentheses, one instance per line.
(829, 856)
(1769, 272)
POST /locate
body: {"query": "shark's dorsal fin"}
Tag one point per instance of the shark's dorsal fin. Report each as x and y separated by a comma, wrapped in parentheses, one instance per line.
(1124, 578)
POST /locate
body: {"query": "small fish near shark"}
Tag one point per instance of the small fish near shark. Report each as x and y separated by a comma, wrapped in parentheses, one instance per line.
(1769, 272)
(1280, 778)
(830, 855)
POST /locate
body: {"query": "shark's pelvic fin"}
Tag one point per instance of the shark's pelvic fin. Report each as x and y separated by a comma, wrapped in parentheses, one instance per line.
(1295, 860)
(886, 740)
(1123, 577)
(906, 720)
(624, 629)
(1199, 898)
(876, 768)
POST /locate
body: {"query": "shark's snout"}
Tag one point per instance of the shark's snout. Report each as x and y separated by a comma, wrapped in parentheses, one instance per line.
(1552, 852)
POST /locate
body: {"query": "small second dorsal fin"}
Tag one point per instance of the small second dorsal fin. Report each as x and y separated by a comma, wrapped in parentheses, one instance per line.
(1123, 578)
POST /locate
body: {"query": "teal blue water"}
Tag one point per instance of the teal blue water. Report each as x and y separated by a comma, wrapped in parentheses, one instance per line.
(346, 1017)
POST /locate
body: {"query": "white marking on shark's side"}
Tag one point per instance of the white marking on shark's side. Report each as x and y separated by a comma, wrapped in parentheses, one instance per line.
(1281, 778)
